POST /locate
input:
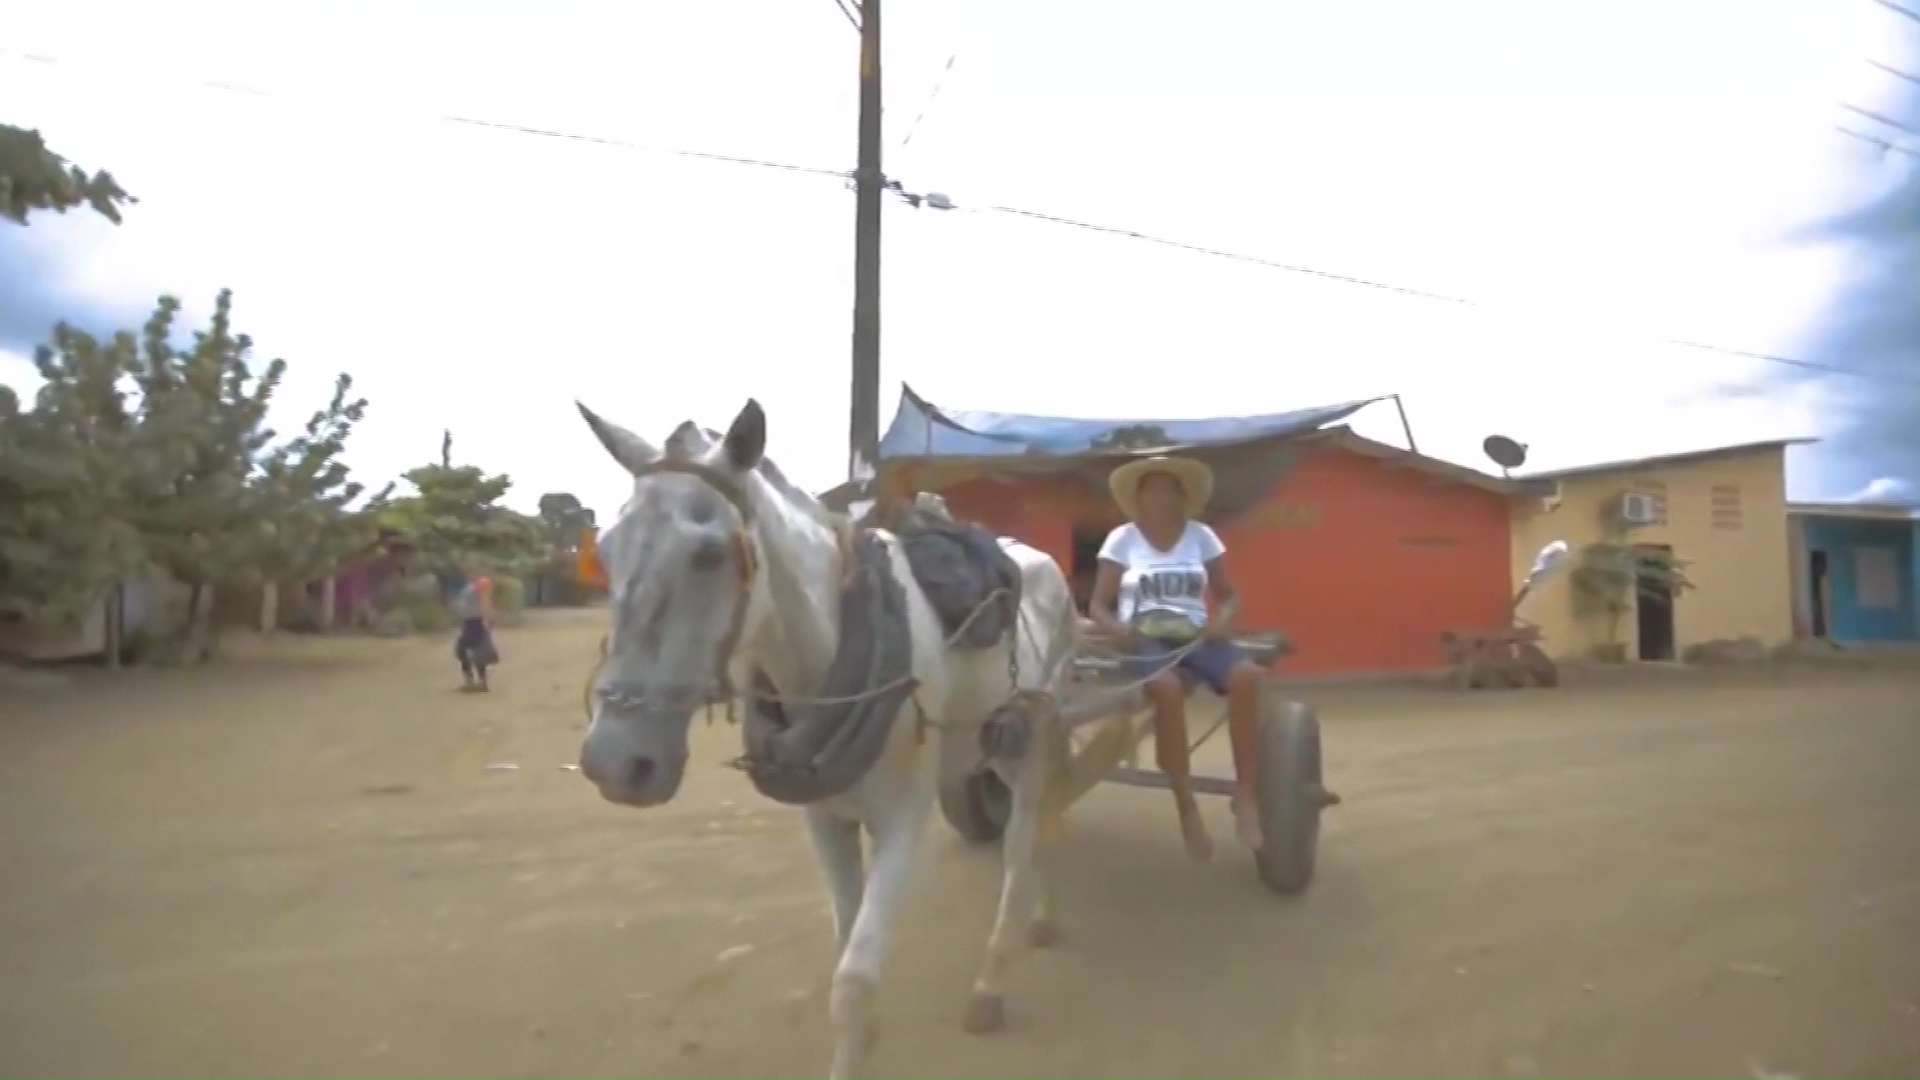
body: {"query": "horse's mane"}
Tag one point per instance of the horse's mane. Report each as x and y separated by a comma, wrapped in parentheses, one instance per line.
(692, 440)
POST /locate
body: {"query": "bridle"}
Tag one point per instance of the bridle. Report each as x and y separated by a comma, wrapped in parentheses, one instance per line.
(745, 559)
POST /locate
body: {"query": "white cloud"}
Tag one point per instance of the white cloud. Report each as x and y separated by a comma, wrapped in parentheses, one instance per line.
(1600, 183)
(1885, 489)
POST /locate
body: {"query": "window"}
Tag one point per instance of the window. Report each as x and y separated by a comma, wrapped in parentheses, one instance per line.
(1876, 578)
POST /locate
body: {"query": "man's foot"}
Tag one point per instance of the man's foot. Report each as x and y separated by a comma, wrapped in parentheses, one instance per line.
(1193, 831)
(1246, 823)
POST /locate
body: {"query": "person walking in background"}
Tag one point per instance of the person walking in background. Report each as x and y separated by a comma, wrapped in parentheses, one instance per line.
(474, 648)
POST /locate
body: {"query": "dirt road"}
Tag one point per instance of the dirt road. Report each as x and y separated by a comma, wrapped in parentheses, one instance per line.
(301, 864)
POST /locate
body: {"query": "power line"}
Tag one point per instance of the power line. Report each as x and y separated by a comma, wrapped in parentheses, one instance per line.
(1896, 72)
(937, 201)
(941, 202)
(1883, 144)
(939, 81)
(495, 125)
(1891, 6)
(1293, 268)
(1878, 118)
(853, 20)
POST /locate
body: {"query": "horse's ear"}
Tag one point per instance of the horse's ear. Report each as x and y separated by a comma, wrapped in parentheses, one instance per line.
(746, 440)
(630, 450)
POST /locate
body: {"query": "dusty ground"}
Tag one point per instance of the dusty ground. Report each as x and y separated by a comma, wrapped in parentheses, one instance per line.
(300, 864)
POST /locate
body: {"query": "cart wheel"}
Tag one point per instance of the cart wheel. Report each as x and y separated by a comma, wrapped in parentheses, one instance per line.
(978, 806)
(1291, 795)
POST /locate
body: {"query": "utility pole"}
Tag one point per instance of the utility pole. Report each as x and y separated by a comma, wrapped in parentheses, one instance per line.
(863, 430)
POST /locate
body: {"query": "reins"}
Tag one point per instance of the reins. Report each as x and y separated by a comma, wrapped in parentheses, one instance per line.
(747, 564)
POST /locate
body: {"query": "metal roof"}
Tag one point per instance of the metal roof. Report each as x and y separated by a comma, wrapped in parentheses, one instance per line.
(1661, 459)
(921, 430)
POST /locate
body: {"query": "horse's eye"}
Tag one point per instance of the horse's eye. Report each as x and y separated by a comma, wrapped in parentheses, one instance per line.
(710, 555)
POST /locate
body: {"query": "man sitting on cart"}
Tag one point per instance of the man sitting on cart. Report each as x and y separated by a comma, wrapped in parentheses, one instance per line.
(1163, 593)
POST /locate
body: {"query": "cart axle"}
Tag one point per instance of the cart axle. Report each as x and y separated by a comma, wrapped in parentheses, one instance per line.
(1203, 785)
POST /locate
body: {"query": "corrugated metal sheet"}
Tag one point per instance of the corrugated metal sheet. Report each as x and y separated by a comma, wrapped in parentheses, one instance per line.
(920, 430)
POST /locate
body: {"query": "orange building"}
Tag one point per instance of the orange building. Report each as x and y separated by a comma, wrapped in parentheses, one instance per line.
(1363, 553)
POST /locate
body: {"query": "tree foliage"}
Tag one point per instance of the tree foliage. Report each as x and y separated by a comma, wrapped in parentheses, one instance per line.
(145, 454)
(1612, 574)
(454, 516)
(562, 514)
(35, 179)
(51, 571)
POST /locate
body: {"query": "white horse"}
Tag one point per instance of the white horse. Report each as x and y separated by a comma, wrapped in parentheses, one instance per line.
(718, 563)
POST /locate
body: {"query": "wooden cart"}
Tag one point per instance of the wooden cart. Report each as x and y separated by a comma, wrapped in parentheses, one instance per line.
(1098, 741)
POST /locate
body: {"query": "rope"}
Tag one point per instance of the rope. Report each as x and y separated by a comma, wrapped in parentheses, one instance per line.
(847, 699)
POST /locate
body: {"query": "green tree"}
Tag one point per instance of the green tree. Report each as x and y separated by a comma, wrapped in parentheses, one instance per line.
(181, 458)
(1609, 578)
(305, 489)
(455, 514)
(563, 522)
(63, 544)
(34, 178)
(564, 517)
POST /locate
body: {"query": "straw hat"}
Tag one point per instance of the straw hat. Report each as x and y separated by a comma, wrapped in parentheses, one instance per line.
(1196, 480)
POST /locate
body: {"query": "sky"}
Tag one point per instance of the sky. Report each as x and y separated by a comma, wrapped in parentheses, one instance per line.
(1595, 184)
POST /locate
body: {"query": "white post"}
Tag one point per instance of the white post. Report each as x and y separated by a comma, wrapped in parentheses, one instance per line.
(327, 588)
(269, 607)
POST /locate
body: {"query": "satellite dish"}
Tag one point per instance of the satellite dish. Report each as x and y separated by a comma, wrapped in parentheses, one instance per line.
(1505, 452)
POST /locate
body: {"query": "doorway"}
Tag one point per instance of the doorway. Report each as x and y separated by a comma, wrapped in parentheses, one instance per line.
(1817, 587)
(1086, 562)
(1654, 607)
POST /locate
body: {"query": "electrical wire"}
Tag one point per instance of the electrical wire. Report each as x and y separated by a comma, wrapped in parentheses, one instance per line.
(1462, 301)
(495, 125)
(933, 95)
(1891, 6)
(1896, 72)
(853, 20)
(1872, 140)
(1293, 268)
(941, 202)
(1879, 118)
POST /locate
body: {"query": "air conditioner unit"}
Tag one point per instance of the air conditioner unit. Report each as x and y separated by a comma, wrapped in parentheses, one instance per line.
(1638, 509)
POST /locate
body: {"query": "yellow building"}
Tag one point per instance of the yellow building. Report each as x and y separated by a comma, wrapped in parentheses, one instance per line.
(1722, 513)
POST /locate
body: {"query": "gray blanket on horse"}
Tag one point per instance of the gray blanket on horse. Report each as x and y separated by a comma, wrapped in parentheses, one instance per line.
(821, 747)
(965, 574)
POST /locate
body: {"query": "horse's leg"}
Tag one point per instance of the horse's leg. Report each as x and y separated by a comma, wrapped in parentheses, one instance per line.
(836, 847)
(987, 1010)
(1044, 931)
(897, 833)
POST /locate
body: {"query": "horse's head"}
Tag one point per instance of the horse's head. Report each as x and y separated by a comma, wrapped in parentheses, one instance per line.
(680, 564)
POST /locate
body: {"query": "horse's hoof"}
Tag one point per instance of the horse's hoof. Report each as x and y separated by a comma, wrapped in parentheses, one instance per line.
(986, 1014)
(1045, 934)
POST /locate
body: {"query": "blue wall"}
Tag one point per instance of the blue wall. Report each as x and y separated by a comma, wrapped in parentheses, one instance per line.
(1838, 537)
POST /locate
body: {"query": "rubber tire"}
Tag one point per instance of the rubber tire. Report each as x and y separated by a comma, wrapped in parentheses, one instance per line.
(978, 807)
(1289, 794)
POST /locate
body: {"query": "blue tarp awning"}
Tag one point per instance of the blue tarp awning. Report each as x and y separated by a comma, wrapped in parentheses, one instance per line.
(919, 430)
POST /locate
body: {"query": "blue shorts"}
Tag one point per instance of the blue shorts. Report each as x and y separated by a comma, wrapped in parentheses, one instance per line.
(1210, 662)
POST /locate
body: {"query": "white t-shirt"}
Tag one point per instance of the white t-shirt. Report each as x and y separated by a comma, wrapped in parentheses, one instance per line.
(1173, 581)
